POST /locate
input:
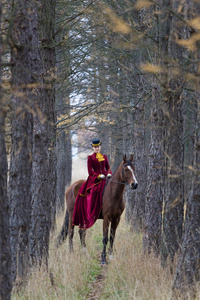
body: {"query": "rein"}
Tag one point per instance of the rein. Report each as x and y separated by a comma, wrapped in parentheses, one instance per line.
(117, 181)
(107, 180)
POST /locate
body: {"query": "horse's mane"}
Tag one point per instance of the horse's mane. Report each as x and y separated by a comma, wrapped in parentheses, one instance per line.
(116, 170)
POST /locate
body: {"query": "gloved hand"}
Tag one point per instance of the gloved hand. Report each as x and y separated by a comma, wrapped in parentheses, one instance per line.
(101, 176)
(109, 175)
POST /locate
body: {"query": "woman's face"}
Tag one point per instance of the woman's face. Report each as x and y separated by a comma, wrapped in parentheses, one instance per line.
(96, 149)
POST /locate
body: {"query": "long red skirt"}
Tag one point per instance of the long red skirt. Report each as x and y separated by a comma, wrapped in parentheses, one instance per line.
(88, 205)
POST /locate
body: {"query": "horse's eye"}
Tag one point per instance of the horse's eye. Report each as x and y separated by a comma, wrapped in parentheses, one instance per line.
(125, 170)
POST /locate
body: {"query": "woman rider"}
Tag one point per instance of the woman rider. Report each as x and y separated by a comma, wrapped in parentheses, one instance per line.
(89, 199)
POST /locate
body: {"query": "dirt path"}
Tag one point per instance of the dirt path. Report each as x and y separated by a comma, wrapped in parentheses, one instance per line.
(97, 286)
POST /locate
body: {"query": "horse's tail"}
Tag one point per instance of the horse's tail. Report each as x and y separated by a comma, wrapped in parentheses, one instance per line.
(64, 231)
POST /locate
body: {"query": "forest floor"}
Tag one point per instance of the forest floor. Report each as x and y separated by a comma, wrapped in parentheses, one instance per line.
(79, 275)
(97, 285)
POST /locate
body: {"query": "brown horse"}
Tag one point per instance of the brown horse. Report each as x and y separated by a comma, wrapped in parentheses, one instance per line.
(112, 205)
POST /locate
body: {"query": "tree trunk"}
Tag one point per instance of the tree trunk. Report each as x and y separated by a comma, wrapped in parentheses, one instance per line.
(63, 136)
(44, 163)
(139, 161)
(130, 149)
(188, 269)
(63, 153)
(117, 129)
(155, 177)
(5, 255)
(174, 149)
(22, 55)
(174, 185)
(64, 167)
(156, 158)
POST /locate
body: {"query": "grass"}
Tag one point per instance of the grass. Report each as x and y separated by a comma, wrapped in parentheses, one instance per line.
(129, 275)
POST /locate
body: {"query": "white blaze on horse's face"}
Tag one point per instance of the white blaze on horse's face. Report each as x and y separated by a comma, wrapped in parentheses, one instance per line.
(134, 184)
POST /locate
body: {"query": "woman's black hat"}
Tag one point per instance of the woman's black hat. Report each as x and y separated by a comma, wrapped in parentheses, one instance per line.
(96, 142)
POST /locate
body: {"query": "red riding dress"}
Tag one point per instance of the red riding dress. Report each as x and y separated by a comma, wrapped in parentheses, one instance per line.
(89, 199)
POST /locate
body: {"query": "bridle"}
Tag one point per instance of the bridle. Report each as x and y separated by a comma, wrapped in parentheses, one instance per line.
(123, 174)
(125, 181)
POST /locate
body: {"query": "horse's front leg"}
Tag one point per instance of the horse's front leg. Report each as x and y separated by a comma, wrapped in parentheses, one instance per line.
(113, 228)
(82, 234)
(105, 240)
(71, 232)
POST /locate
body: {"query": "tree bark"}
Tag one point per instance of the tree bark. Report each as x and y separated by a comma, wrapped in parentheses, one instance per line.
(23, 57)
(174, 148)
(130, 149)
(64, 167)
(155, 177)
(156, 158)
(188, 269)
(63, 136)
(44, 137)
(63, 152)
(174, 185)
(5, 252)
(138, 213)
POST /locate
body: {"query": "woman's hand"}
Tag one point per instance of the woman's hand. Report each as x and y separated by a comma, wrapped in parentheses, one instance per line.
(101, 176)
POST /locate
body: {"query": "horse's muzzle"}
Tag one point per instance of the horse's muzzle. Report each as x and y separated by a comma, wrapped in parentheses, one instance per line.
(134, 185)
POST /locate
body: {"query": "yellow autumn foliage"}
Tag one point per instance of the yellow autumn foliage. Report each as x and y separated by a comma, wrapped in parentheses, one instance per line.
(142, 4)
(189, 43)
(119, 25)
(195, 23)
(151, 68)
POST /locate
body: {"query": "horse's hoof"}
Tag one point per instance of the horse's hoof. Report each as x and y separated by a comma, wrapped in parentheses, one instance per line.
(103, 262)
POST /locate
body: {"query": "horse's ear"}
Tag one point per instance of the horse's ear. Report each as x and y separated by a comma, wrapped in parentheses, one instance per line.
(124, 158)
(131, 157)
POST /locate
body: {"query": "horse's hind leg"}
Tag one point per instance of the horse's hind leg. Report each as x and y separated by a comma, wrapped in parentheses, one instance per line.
(71, 232)
(64, 231)
(113, 228)
(82, 234)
